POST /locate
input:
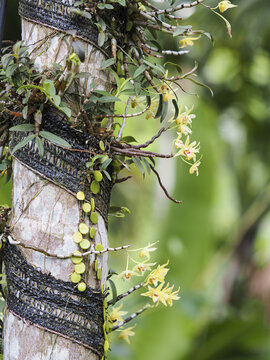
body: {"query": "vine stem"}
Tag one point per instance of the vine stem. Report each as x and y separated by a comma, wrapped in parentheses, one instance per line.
(163, 187)
(12, 241)
(125, 294)
(147, 143)
(136, 152)
(131, 317)
(121, 115)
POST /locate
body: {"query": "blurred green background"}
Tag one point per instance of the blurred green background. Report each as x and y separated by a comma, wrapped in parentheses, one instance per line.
(218, 241)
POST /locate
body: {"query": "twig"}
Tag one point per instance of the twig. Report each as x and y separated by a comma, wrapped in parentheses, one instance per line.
(151, 18)
(131, 317)
(124, 119)
(80, 150)
(175, 53)
(136, 152)
(125, 294)
(177, 8)
(163, 187)
(155, 27)
(118, 181)
(103, 251)
(156, 9)
(147, 143)
(12, 241)
(121, 115)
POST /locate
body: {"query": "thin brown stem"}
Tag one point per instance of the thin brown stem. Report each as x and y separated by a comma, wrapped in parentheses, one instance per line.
(121, 115)
(140, 153)
(118, 181)
(147, 143)
(163, 187)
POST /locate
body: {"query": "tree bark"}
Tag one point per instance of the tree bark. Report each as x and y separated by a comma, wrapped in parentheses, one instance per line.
(45, 216)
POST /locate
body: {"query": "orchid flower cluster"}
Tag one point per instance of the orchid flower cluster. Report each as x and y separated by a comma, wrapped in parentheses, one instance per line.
(153, 280)
(185, 149)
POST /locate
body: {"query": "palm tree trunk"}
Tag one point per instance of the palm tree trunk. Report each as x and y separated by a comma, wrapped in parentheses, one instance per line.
(45, 216)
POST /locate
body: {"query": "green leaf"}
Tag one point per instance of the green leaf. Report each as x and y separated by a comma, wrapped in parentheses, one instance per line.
(107, 175)
(108, 6)
(153, 66)
(66, 111)
(128, 139)
(137, 88)
(146, 164)
(101, 145)
(116, 77)
(176, 109)
(201, 84)
(23, 127)
(54, 139)
(160, 107)
(105, 164)
(94, 187)
(56, 99)
(139, 71)
(101, 38)
(22, 143)
(6, 60)
(49, 88)
(174, 66)
(114, 291)
(40, 146)
(118, 211)
(83, 13)
(107, 99)
(25, 112)
(102, 92)
(139, 164)
(10, 70)
(164, 111)
(129, 25)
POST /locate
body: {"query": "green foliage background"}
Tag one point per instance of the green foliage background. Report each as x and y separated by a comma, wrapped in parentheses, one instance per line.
(227, 205)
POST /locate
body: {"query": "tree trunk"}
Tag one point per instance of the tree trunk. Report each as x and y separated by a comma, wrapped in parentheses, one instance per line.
(45, 216)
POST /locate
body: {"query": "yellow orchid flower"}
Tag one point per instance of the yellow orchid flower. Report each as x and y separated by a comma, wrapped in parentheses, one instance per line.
(185, 117)
(146, 250)
(158, 275)
(157, 294)
(225, 5)
(183, 130)
(194, 168)
(188, 41)
(127, 274)
(166, 89)
(116, 314)
(186, 149)
(171, 295)
(124, 335)
(142, 267)
(183, 120)
(150, 113)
